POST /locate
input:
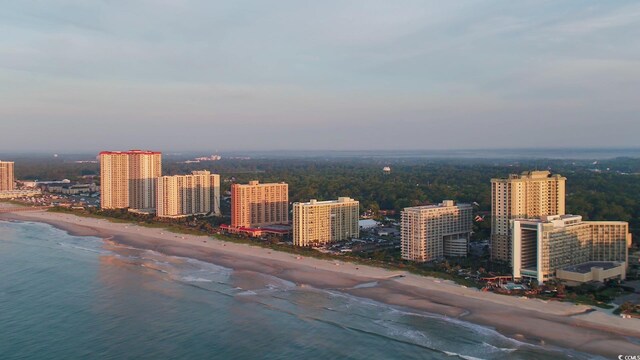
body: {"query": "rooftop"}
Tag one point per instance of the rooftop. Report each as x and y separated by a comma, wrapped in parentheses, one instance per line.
(585, 268)
(130, 152)
(443, 204)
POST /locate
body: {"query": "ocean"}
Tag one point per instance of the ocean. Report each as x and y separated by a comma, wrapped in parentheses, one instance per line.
(69, 297)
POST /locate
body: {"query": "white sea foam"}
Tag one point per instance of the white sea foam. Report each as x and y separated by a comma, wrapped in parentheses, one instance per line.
(366, 285)
(195, 279)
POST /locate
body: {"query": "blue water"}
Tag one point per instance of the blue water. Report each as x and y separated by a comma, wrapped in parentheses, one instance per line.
(66, 297)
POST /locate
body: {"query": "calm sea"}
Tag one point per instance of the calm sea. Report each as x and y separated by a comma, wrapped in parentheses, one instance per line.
(66, 297)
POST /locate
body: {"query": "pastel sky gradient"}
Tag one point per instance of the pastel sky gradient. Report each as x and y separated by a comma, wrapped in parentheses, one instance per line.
(295, 74)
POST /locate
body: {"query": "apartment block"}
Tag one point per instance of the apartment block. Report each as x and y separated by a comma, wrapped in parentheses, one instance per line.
(184, 195)
(7, 177)
(322, 222)
(565, 247)
(531, 194)
(255, 205)
(434, 231)
(128, 179)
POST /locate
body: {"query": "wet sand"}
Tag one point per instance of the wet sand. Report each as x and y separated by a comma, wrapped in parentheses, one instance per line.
(531, 320)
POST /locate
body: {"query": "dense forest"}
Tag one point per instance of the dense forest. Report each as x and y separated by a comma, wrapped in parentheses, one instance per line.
(597, 190)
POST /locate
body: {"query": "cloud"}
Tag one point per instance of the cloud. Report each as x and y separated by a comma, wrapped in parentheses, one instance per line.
(316, 74)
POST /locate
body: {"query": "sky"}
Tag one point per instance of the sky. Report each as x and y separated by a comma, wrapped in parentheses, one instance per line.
(177, 75)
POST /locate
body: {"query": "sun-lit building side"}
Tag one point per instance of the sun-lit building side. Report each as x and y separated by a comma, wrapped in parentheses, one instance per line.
(318, 223)
(434, 231)
(128, 179)
(564, 246)
(7, 176)
(256, 205)
(184, 195)
(531, 194)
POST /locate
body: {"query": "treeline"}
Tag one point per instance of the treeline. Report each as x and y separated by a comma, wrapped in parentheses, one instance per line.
(606, 190)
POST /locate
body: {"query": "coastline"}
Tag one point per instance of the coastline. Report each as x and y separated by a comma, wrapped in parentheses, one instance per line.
(530, 320)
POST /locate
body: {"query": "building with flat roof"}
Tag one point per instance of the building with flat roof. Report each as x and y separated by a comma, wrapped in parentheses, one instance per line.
(128, 179)
(7, 177)
(184, 195)
(321, 222)
(434, 231)
(554, 246)
(529, 195)
(256, 205)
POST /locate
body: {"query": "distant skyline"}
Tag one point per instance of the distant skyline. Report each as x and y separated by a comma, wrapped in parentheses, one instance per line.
(332, 75)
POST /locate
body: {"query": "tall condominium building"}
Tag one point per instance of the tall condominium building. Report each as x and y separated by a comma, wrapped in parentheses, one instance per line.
(433, 231)
(321, 222)
(566, 247)
(128, 179)
(529, 195)
(184, 195)
(7, 179)
(145, 167)
(255, 205)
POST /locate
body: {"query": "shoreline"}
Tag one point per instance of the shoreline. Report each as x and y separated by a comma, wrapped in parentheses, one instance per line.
(527, 320)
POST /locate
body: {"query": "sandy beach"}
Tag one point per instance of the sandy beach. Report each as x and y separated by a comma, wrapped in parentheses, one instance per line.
(531, 320)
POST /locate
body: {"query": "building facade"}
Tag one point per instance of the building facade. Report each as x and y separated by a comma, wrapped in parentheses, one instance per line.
(542, 247)
(145, 167)
(322, 222)
(529, 195)
(434, 231)
(184, 195)
(128, 179)
(7, 177)
(255, 205)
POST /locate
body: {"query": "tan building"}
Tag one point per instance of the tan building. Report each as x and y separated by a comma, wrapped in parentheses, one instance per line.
(128, 179)
(255, 205)
(566, 247)
(530, 195)
(433, 231)
(145, 167)
(7, 178)
(184, 195)
(322, 222)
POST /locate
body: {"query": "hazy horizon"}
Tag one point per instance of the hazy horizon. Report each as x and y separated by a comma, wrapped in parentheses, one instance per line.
(333, 75)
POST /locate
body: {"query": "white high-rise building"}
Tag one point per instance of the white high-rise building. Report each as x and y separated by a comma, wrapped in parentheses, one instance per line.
(566, 247)
(433, 231)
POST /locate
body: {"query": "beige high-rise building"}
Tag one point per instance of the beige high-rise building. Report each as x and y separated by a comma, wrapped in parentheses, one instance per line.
(433, 231)
(7, 177)
(530, 195)
(145, 167)
(128, 179)
(566, 247)
(184, 195)
(321, 222)
(256, 205)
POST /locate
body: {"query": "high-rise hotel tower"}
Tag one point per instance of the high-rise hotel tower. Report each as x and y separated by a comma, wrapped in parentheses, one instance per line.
(321, 222)
(256, 205)
(433, 231)
(7, 179)
(128, 179)
(530, 195)
(184, 195)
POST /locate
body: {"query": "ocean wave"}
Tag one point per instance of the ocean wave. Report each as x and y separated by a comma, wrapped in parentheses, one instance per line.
(195, 279)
